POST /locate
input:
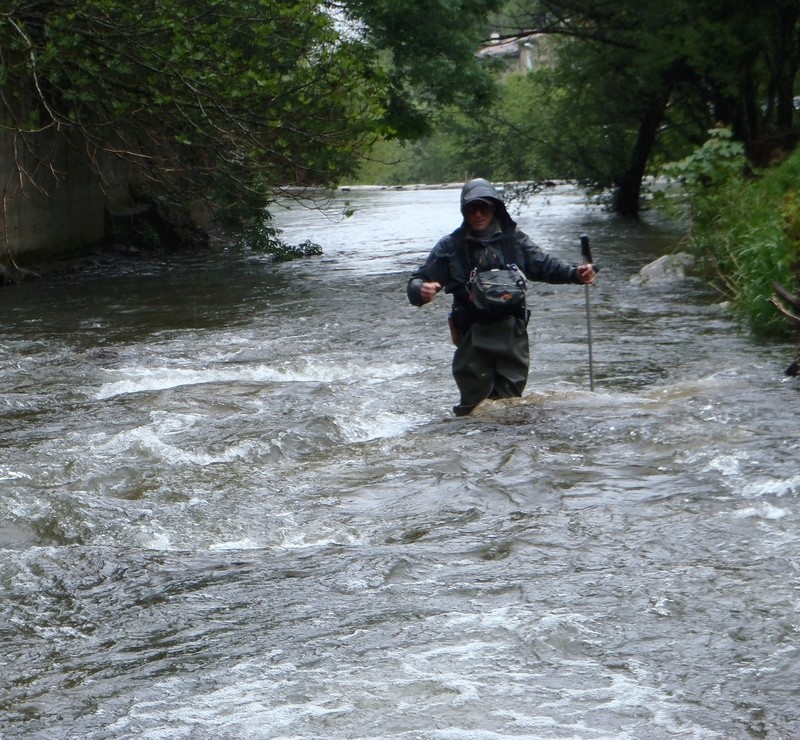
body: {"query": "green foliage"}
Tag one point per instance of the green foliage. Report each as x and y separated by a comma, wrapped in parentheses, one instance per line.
(288, 252)
(431, 56)
(558, 117)
(453, 152)
(745, 229)
(382, 164)
(205, 98)
(790, 210)
(529, 132)
(719, 160)
(231, 102)
(259, 235)
(636, 83)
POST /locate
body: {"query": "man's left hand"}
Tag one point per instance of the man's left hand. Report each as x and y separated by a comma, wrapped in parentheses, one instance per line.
(586, 274)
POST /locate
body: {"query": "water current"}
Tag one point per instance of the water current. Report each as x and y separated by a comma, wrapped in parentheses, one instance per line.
(235, 502)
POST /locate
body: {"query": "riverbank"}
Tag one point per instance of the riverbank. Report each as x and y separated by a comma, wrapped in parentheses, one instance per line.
(140, 231)
(745, 230)
(14, 273)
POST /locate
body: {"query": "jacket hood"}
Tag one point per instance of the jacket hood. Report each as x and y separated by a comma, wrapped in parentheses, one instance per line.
(480, 189)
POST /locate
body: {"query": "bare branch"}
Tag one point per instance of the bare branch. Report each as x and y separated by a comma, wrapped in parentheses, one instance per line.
(791, 298)
(785, 311)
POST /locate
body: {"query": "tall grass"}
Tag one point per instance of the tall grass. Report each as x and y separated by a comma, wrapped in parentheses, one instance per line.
(745, 228)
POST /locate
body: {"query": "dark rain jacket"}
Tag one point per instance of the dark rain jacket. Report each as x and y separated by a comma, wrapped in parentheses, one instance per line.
(453, 257)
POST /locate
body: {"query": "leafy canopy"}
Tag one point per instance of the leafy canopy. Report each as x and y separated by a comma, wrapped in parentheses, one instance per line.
(230, 101)
(624, 86)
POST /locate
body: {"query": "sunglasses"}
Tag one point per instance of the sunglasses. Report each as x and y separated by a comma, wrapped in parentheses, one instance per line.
(479, 208)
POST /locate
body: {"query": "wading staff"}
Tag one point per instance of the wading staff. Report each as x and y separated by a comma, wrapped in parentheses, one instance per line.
(586, 254)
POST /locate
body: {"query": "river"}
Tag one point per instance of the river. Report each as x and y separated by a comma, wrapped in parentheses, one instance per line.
(236, 503)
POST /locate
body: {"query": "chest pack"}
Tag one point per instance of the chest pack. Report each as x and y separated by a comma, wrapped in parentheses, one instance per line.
(495, 292)
(498, 292)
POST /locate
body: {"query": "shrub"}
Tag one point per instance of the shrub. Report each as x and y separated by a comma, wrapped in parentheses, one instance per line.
(745, 228)
(259, 235)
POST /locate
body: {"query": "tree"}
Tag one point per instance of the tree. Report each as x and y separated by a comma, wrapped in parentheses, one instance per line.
(230, 101)
(200, 97)
(637, 74)
(429, 56)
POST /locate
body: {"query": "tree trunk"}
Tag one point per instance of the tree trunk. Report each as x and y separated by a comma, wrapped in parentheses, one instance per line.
(787, 58)
(629, 188)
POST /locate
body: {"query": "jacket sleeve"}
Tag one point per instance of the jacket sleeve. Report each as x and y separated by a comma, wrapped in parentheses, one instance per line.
(436, 269)
(542, 266)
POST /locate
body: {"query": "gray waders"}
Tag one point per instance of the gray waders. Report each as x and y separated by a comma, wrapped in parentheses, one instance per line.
(491, 361)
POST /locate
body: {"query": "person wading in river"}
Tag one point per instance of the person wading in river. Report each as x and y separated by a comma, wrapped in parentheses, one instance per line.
(482, 264)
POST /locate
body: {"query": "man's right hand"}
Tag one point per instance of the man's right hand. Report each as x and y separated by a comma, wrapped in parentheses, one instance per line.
(428, 291)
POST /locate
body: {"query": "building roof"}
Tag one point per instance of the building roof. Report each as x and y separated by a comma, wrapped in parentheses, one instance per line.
(506, 47)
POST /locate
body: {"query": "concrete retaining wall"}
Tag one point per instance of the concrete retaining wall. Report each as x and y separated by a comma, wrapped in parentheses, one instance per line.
(53, 203)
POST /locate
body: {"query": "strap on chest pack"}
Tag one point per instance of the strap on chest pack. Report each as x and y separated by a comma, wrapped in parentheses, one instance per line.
(461, 250)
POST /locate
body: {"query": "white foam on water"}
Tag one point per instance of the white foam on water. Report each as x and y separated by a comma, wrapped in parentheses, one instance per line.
(630, 698)
(159, 540)
(145, 379)
(260, 702)
(713, 383)
(569, 397)
(244, 710)
(726, 464)
(7, 474)
(245, 544)
(309, 537)
(773, 487)
(457, 733)
(450, 690)
(365, 428)
(151, 440)
(764, 510)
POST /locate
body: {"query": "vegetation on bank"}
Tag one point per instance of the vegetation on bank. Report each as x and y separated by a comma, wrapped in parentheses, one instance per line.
(226, 103)
(745, 227)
